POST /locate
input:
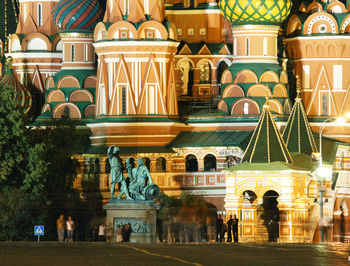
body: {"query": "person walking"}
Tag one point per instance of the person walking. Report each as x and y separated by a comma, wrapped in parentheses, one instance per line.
(102, 233)
(70, 229)
(61, 226)
(235, 228)
(229, 229)
(119, 234)
(128, 232)
(219, 228)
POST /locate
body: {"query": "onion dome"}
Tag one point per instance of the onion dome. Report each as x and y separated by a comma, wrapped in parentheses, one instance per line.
(77, 14)
(23, 96)
(261, 12)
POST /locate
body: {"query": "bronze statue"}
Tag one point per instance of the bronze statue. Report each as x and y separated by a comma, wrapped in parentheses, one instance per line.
(117, 175)
(142, 186)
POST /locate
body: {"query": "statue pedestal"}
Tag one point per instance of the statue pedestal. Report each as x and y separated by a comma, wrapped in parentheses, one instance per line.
(140, 214)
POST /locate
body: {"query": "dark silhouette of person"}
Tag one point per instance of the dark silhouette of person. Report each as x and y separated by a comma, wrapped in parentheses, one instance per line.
(219, 229)
(128, 232)
(229, 229)
(124, 233)
(235, 228)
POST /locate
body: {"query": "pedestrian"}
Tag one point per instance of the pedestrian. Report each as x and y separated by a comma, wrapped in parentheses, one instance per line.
(102, 233)
(128, 232)
(119, 234)
(109, 233)
(229, 229)
(61, 226)
(219, 228)
(235, 228)
(224, 230)
(70, 229)
(124, 233)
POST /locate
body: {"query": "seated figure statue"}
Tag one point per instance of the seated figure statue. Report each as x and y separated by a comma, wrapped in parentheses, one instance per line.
(142, 186)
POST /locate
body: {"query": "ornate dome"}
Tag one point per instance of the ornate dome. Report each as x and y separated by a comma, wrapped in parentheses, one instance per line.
(77, 14)
(263, 12)
(23, 96)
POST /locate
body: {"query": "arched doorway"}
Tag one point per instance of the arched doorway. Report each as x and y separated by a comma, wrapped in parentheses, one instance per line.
(160, 165)
(191, 163)
(209, 163)
(269, 214)
(186, 78)
(220, 70)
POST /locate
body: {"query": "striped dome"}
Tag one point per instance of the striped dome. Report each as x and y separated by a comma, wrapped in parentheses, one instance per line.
(23, 96)
(77, 14)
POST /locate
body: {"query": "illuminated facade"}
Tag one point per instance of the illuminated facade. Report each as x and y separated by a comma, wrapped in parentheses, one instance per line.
(188, 86)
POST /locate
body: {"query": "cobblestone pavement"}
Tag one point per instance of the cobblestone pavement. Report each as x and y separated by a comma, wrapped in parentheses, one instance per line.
(84, 253)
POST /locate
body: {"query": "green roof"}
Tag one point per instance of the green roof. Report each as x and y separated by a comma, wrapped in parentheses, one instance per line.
(79, 74)
(214, 48)
(257, 68)
(301, 162)
(130, 150)
(266, 144)
(297, 133)
(211, 138)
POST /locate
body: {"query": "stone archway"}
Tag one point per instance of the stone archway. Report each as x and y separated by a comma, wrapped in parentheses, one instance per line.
(268, 215)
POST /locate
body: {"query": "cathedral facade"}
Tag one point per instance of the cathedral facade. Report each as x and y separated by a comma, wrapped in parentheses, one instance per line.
(222, 99)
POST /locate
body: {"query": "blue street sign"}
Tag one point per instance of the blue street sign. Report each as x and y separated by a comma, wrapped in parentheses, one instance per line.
(39, 230)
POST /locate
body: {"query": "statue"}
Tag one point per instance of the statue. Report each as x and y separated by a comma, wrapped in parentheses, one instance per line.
(117, 175)
(142, 186)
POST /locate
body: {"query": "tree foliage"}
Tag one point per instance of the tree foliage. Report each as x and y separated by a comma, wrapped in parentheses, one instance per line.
(22, 171)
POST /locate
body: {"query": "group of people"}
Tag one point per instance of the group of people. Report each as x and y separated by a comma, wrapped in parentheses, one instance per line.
(231, 227)
(65, 229)
(124, 232)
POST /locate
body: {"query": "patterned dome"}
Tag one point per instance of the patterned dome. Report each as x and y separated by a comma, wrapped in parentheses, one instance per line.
(263, 12)
(23, 96)
(77, 14)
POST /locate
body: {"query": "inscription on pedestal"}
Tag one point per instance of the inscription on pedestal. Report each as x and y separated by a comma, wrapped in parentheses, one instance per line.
(137, 225)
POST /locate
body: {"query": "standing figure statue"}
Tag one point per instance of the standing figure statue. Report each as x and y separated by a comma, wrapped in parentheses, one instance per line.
(142, 186)
(117, 175)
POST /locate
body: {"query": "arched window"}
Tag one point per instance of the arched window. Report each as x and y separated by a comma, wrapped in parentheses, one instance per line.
(265, 46)
(209, 163)
(107, 166)
(219, 71)
(161, 165)
(234, 47)
(191, 163)
(40, 14)
(86, 53)
(342, 162)
(24, 12)
(126, 7)
(66, 112)
(246, 108)
(250, 196)
(324, 104)
(147, 163)
(247, 47)
(97, 166)
(123, 101)
(73, 52)
(205, 73)
(337, 9)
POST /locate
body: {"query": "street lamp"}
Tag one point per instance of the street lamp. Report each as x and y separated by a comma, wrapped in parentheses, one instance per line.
(320, 170)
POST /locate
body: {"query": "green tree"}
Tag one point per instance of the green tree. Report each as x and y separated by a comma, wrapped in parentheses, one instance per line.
(22, 172)
(62, 140)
